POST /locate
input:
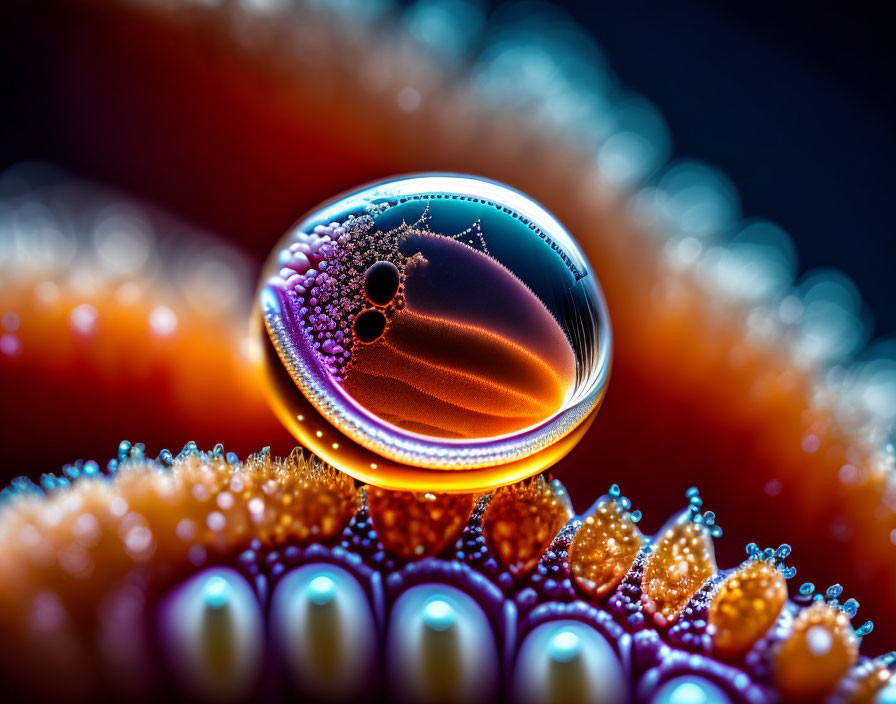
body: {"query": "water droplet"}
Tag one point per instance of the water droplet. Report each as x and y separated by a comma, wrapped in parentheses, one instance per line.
(436, 323)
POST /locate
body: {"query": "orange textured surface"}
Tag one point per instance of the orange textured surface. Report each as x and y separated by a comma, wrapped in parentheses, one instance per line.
(745, 607)
(821, 648)
(417, 524)
(682, 560)
(521, 520)
(604, 549)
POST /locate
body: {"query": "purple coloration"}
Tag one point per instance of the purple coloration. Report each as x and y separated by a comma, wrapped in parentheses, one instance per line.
(691, 630)
(650, 658)
(625, 603)
(665, 664)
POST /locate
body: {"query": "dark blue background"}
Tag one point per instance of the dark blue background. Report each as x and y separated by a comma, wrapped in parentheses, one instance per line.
(793, 100)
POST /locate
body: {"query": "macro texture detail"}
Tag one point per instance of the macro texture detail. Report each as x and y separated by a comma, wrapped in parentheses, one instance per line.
(256, 575)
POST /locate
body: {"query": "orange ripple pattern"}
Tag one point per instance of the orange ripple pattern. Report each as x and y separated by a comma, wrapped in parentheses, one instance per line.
(444, 378)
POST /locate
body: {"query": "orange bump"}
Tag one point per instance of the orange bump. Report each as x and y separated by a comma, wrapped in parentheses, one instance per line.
(682, 561)
(871, 682)
(417, 524)
(305, 498)
(745, 607)
(78, 540)
(522, 519)
(604, 549)
(820, 649)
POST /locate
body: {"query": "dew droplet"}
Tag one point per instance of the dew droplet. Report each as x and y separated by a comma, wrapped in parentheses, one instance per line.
(434, 323)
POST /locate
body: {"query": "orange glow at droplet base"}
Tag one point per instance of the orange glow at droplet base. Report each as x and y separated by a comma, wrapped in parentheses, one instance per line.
(315, 432)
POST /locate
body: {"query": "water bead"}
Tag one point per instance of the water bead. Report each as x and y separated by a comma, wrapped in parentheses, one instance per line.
(434, 333)
(865, 628)
(783, 551)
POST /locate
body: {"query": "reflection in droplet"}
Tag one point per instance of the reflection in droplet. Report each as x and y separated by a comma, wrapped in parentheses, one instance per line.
(438, 322)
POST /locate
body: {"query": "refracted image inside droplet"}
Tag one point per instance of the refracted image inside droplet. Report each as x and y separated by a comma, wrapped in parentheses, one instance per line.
(426, 330)
(467, 351)
(420, 311)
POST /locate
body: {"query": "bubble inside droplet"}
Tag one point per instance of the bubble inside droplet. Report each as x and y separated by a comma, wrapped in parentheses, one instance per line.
(381, 282)
(433, 332)
(368, 326)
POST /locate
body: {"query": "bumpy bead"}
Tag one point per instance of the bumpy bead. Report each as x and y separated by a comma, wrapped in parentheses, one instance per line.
(417, 524)
(334, 560)
(682, 561)
(604, 549)
(820, 649)
(746, 607)
(522, 519)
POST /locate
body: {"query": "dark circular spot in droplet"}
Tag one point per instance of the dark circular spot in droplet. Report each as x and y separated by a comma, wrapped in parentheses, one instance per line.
(369, 325)
(381, 283)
